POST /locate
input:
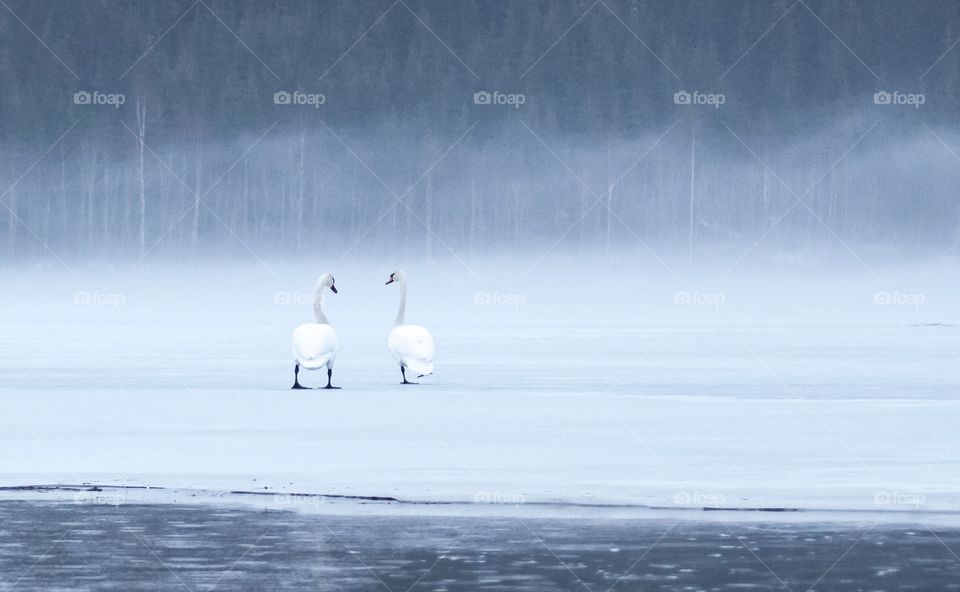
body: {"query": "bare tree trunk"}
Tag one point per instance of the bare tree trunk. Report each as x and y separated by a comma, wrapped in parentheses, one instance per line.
(428, 218)
(391, 240)
(141, 134)
(62, 211)
(584, 205)
(88, 179)
(766, 198)
(473, 209)
(245, 214)
(693, 176)
(355, 215)
(657, 226)
(300, 192)
(198, 184)
(13, 219)
(106, 203)
(609, 199)
(517, 213)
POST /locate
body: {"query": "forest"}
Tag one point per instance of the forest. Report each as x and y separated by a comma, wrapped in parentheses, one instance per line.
(144, 129)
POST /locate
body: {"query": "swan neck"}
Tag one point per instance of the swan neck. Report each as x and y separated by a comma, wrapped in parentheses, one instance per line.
(318, 307)
(401, 312)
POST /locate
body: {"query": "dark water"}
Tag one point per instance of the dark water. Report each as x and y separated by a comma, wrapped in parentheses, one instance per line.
(48, 546)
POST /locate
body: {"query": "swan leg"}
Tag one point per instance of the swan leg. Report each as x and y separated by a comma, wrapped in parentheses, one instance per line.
(296, 379)
(329, 378)
(403, 372)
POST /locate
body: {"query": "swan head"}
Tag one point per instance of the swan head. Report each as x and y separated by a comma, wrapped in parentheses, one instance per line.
(326, 281)
(397, 276)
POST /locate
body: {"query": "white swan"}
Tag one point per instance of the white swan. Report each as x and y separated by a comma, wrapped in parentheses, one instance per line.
(411, 345)
(315, 344)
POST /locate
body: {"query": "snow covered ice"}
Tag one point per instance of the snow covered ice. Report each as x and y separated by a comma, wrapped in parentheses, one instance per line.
(578, 384)
(682, 313)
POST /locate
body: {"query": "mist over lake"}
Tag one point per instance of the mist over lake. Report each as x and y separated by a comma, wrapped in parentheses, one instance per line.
(520, 295)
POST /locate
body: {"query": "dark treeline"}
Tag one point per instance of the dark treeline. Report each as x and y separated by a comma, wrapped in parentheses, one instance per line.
(400, 156)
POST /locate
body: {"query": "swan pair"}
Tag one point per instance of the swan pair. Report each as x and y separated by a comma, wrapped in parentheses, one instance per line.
(315, 344)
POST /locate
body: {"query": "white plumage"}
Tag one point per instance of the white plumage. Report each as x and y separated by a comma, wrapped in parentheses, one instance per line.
(315, 344)
(411, 345)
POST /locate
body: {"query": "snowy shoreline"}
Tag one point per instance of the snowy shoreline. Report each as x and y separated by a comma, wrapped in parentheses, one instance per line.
(340, 505)
(625, 403)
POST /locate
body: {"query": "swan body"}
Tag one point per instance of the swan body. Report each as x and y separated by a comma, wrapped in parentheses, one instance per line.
(315, 344)
(412, 346)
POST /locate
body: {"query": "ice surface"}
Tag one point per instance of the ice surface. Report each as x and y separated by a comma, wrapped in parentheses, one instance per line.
(150, 547)
(579, 382)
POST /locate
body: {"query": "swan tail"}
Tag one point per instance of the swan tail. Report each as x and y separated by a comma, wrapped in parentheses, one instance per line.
(420, 367)
(314, 363)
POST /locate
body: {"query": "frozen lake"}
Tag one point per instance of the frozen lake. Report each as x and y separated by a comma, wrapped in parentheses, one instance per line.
(570, 384)
(48, 546)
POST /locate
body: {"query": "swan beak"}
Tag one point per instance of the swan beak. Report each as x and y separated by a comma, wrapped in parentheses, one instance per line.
(333, 289)
(390, 281)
